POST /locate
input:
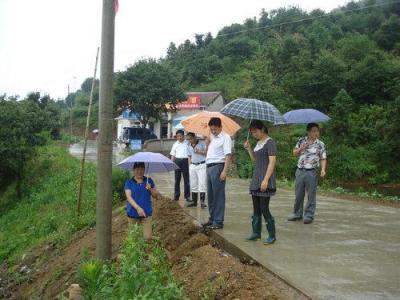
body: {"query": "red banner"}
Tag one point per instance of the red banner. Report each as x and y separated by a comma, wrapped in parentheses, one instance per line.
(192, 102)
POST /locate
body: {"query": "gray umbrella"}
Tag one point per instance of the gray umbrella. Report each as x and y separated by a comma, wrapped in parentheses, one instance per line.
(254, 109)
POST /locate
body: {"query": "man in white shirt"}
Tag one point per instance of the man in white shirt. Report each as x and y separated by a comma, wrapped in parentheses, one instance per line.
(197, 169)
(179, 154)
(218, 159)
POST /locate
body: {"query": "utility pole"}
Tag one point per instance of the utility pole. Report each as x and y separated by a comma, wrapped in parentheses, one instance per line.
(104, 151)
(86, 136)
(70, 118)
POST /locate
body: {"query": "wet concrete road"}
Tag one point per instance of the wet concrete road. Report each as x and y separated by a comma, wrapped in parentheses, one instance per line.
(351, 251)
(76, 150)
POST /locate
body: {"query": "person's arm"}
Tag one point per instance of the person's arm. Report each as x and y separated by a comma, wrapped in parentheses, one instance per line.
(247, 146)
(299, 149)
(207, 142)
(323, 168)
(268, 173)
(132, 202)
(228, 153)
(154, 193)
(202, 151)
(152, 189)
(227, 163)
(323, 161)
(173, 152)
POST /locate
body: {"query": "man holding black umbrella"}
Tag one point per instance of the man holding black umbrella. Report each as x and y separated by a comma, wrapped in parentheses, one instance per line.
(312, 155)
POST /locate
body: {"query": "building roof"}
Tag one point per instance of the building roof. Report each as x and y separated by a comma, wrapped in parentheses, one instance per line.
(206, 98)
(129, 115)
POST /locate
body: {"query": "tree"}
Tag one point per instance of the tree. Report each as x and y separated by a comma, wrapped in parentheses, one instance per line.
(86, 85)
(340, 125)
(388, 34)
(146, 88)
(21, 127)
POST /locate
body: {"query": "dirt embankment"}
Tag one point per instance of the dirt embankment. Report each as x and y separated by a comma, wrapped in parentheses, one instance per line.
(206, 271)
(51, 271)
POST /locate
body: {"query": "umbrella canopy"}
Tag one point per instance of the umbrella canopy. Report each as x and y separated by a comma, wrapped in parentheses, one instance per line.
(253, 109)
(179, 126)
(198, 123)
(154, 162)
(305, 116)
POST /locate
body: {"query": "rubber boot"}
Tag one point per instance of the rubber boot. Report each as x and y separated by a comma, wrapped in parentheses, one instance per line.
(194, 200)
(203, 200)
(256, 226)
(271, 232)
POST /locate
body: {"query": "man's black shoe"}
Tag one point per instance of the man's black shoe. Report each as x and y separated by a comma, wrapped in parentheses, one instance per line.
(308, 221)
(215, 226)
(206, 224)
(294, 218)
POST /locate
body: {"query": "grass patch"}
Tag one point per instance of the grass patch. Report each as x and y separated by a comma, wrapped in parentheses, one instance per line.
(143, 272)
(47, 211)
(372, 195)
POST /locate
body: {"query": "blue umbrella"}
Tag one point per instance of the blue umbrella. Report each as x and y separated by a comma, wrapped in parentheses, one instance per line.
(154, 162)
(179, 126)
(176, 122)
(253, 109)
(305, 116)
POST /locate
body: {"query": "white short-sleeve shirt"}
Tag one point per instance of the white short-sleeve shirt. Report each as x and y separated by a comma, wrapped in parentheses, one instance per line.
(219, 146)
(180, 149)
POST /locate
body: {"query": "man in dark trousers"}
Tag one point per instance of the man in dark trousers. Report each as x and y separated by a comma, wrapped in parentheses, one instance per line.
(217, 160)
(180, 154)
(312, 157)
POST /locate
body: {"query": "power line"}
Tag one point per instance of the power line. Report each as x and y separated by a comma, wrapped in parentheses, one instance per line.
(307, 19)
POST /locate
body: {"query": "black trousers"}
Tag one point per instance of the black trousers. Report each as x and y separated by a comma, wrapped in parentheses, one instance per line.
(183, 164)
(261, 207)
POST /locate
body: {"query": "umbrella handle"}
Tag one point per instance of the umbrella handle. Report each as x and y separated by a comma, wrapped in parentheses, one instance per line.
(248, 130)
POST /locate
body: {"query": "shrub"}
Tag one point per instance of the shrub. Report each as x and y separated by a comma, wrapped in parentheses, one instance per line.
(143, 273)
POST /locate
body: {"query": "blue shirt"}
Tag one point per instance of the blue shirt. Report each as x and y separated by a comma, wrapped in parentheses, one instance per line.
(195, 157)
(141, 195)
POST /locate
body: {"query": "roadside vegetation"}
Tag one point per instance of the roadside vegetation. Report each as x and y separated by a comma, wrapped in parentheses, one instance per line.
(46, 211)
(141, 272)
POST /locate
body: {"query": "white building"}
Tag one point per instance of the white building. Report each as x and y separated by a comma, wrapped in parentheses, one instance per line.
(196, 102)
(166, 128)
(127, 119)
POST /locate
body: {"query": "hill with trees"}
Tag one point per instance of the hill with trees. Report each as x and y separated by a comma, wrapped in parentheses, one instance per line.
(344, 63)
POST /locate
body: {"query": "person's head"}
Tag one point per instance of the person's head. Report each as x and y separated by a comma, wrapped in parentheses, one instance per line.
(180, 135)
(258, 130)
(215, 125)
(191, 137)
(313, 130)
(138, 169)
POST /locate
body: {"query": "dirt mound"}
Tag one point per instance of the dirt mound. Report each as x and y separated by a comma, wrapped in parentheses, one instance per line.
(172, 224)
(206, 271)
(54, 270)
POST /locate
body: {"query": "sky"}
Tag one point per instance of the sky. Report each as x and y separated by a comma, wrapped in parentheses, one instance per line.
(46, 45)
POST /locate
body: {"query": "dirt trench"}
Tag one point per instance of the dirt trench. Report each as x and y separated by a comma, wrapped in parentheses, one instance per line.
(205, 270)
